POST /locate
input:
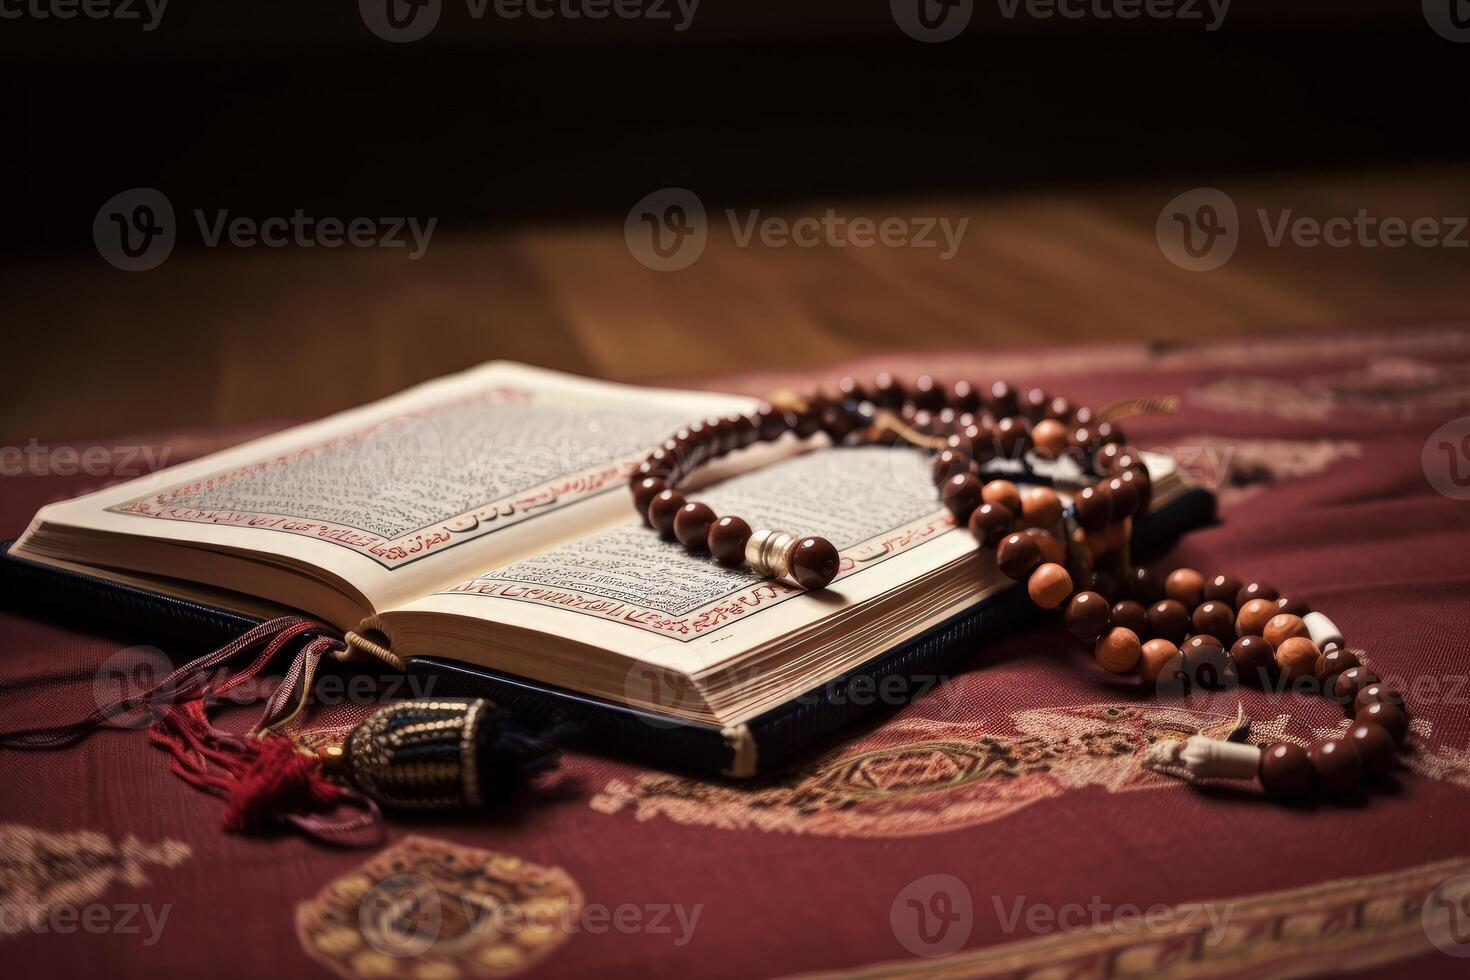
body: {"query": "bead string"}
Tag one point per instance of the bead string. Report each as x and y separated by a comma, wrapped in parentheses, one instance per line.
(1172, 631)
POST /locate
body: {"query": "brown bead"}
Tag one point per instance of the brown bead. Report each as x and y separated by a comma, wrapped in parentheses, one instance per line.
(1033, 403)
(1001, 400)
(814, 563)
(1052, 549)
(851, 388)
(1002, 492)
(1145, 586)
(1040, 507)
(1345, 689)
(1223, 588)
(1253, 617)
(747, 433)
(1124, 458)
(770, 423)
(928, 393)
(1059, 408)
(1285, 771)
(1142, 484)
(1124, 496)
(1254, 659)
(1207, 664)
(1107, 585)
(1013, 434)
(887, 392)
(1106, 458)
(1297, 657)
(691, 525)
(1337, 766)
(949, 463)
(663, 509)
(1087, 616)
(1049, 585)
(1093, 508)
(1119, 650)
(1254, 590)
(1169, 619)
(1293, 607)
(1130, 615)
(726, 540)
(1049, 438)
(990, 523)
(1334, 662)
(1186, 585)
(1391, 718)
(961, 494)
(1108, 432)
(964, 397)
(1282, 627)
(1216, 619)
(1375, 747)
(1160, 658)
(644, 491)
(1017, 556)
(838, 422)
(1374, 693)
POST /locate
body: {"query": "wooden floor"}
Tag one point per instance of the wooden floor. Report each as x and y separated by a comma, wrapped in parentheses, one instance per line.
(229, 335)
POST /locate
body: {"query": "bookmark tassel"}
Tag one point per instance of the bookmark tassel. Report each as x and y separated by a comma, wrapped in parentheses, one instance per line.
(424, 754)
(264, 778)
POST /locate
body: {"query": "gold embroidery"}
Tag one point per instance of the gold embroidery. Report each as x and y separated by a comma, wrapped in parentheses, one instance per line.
(1348, 924)
(432, 910)
(41, 871)
(930, 777)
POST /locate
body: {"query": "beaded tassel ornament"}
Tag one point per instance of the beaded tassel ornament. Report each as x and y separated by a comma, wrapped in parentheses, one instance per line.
(425, 754)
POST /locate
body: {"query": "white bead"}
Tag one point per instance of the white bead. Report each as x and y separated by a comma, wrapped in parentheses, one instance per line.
(1210, 758)
(1324, 632)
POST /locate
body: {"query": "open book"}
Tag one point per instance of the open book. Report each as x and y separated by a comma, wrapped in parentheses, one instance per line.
(485, 519)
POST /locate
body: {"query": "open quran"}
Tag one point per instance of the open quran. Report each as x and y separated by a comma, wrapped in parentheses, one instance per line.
(478, 529)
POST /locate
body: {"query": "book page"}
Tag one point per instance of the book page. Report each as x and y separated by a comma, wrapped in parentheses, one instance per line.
(418, 490)
(627, 590)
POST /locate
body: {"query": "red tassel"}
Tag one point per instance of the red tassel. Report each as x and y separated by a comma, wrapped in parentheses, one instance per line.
(279, 780)
(265, 781)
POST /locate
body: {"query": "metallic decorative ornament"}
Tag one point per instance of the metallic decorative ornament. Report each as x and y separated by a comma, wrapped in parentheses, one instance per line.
(421, 754)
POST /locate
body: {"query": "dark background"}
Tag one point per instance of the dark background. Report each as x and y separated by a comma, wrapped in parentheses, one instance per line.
(518, 133)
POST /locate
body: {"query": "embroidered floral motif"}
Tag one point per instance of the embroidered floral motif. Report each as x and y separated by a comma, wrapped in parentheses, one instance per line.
(432, 910)
(41, 871)
(1389, 387)
(930, 777)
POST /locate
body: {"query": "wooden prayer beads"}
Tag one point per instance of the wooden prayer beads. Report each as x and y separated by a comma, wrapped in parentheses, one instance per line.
(1185, 628)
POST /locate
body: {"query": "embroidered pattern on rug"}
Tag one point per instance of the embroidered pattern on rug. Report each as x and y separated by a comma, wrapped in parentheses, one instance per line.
(1330, 927)
(928, 776)
(41, 871)
(1388, 387)
(1240, 468)
(429, 909)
